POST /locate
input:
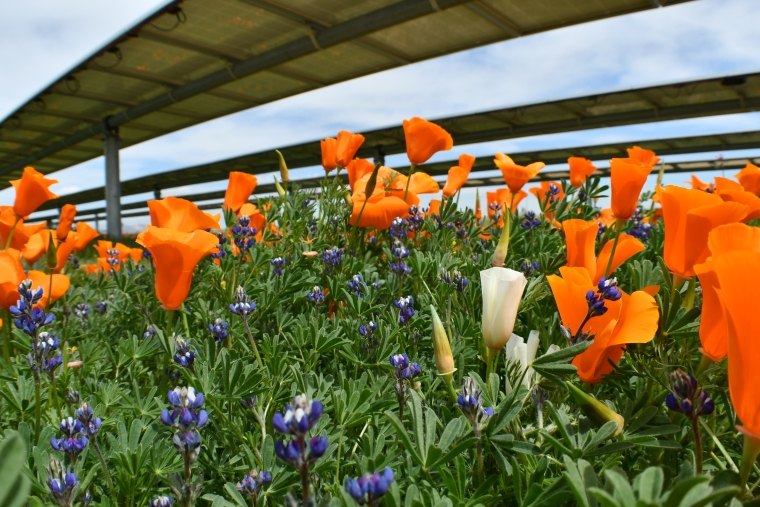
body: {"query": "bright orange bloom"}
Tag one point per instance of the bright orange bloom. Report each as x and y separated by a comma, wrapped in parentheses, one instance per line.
(516, 176)
(749, 177)
(738, 272)
(11, 275)
(503, 197)
(175, 255)
(631, 319)
(358, 168)
(605, 217)
(90, 269)
(689, 217)
(729, 190)
(392, 183)
(68, 212)
(542, 192)
(36, 247)
(58, 283)
(239, 188)
(84, 234)
(698, 184)
(379, 211)
(31, 191)
(424, 139)
(580, 237)
(580, 169)
(627, 178)
(643, 156)
(329, 160)
(434, 208)
(346, 147)
(713, 327)
(21, 233)
(123, 253)
(180, 214)
(458, 175)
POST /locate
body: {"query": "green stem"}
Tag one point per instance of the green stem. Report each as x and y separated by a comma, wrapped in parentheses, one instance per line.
(688, 299)
(697, 443)
(751, 450)
(608, 269)
(412, 168)
(252, 342)
(37, 408)
(10, 234)
(104, 467)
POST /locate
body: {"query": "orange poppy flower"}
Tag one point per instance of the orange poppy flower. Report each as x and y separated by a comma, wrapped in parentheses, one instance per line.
(392, 183)
(503, 197)
(123, 253)
(84, 235)
(698, 184)
(689, 217)
(175, 255)
(379, 211)
(36, 247)
(516, 176)
(434, 208)
(239, 188)
(358, 168)
(11, 275)
(21, 233)
(580, 169)
(458, 175)
(580, 237)
(91, 268)
(627, 178)
(605, 217)
(68, 212)
(346, 147)
(180, 214)
(713, 328)
(749, 177)
(424, 139)
(729, 190)
(58, 283)
(329, 157)
(631, 319)
(643, 156)
(31, 191)
(736, 272)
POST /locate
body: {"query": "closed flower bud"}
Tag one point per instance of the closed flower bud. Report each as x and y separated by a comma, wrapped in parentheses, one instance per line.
(444, 359)
(502, 291)
(595, 409)
(278, 187)
(283, 167)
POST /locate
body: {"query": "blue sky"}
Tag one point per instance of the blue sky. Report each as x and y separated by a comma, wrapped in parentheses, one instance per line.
(698, 39)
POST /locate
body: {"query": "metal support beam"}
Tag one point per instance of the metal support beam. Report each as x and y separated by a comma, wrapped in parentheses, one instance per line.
(113, 183)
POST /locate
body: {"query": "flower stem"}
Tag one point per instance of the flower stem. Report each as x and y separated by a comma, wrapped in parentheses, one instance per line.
(412, 168)
(697, 443)
(608, 269)
(252, 342)
(104, 466)
(751, 450)
(37, 408)
(10, 234)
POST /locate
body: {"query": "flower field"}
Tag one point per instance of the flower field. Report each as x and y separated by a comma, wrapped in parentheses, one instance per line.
(352, 346)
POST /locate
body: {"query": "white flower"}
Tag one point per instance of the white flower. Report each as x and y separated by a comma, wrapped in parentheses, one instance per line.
(524, 353)
(502, 291)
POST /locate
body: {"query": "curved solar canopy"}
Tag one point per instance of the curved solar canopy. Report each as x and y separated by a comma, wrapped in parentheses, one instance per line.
(690, 99)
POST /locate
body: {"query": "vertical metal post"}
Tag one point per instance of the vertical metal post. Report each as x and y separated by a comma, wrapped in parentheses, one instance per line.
(113, 183)
(97, 222)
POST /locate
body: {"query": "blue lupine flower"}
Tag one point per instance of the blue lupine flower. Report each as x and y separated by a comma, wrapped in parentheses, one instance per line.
(552, 193)
(73, 441)
(368, 329)
(243, 234)
(406, 307)
(219, 330)
(528, 267)
(161, 501)
(369, 488)
(356, 285)
(529, 221)
(62, 484)
(150, 332)
(316, 295)
(101, 307)
(299, 416)
(278, 263)
(242, 304)
(398, 228)
(455, 279)
(471, 404)
(185, 413)
(333, 257)
(183, 354)
(252, 483)
(26, 316)
(221, 252)
(44, 355)
(595, 303)
(403, 369)
(90, 423)
(607, 288)
(82, 311)
(686, 397)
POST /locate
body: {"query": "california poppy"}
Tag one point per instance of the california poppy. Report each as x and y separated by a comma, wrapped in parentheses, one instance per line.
(434, 208)
(392, 183)
(729, 190)
(84, 234)
(643, 156)
(547, 192)
(713, 327)
(689, 217)
(11, 224)
(516, 176)
(328, 147)
(749, 177)
(31, 191)
(605, 217)
(736, 272)
(631, 319)
(580, 169)
(379, 210)
(358, 168)
(458, 175)
(627, 178)
(68, 212)
(698, 184)
(424, 139)
(175, 255)
(11, 275)
(580, 237)
(503, 197)
(346, 147)
(180, 214)
(240, 186)
(53, 286)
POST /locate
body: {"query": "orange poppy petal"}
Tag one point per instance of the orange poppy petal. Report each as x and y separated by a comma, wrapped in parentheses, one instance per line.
(239, 189)
(424, 139)
(31, 191)
(627, 247)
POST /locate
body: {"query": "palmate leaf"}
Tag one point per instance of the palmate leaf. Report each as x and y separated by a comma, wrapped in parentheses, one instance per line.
(14, 483)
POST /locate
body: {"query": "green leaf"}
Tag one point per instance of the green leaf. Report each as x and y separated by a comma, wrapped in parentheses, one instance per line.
(14, 484)
(621, 487)
(649, 484)
(562, 355)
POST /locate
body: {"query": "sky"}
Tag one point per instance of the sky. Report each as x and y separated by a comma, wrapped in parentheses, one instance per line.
(703, 38)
